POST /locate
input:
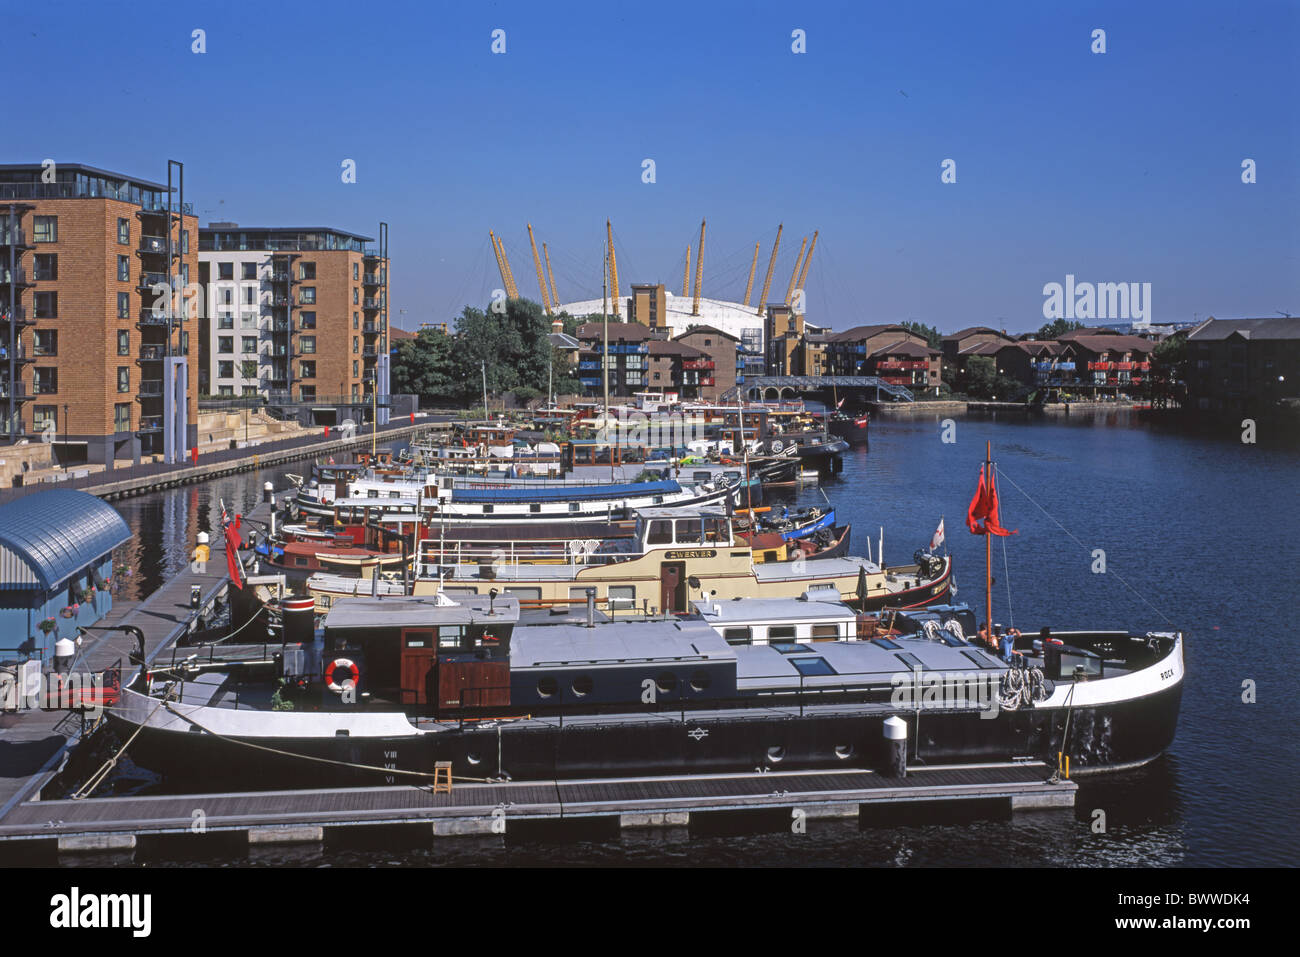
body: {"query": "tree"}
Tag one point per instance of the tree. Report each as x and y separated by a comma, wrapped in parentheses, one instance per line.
(1057, 328)
(981, 377)
(932, 336)
(422, 366)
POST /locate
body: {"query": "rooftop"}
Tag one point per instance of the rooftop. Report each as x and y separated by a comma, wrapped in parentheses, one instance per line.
(411, 611)
(728, 317)
(1279, 328)
(48, 537)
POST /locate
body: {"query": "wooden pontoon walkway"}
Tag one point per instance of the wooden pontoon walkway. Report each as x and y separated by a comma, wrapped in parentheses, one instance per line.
(302, 816)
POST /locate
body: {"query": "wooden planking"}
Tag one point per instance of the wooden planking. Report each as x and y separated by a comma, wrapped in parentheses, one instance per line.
(551, 799)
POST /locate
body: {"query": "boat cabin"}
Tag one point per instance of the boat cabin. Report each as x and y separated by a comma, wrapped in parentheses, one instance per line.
(688, 528)
(423, 654)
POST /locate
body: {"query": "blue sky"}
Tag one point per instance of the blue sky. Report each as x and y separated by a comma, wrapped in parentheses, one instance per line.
(1122, 166)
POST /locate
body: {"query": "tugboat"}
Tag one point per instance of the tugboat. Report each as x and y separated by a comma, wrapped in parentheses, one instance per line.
(390, 686)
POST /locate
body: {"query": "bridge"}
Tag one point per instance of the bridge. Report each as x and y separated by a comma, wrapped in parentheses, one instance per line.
(766, 387)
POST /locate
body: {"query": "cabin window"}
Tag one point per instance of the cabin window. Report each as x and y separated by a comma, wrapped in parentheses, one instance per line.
(769, 556)
(582, 685)
(661, 533)
(372, 493)
(487, 509)
(300, 561)
(449, 636)
(690, 530)
(715, 530)
(737, 636)
(622, 596)
(781, 633)
(825, 632)
(700, 681)
(547, 687)
(525, 594)
(419, 639)
(535, 507)
(394, 494)
(573, 506)
(453, 591)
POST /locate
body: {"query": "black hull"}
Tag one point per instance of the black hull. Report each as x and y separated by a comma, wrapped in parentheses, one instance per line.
(1103, 738)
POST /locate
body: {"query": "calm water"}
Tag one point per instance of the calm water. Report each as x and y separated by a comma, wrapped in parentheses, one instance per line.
(1200, 533)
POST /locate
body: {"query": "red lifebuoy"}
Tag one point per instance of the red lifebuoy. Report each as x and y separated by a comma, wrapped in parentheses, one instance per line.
(342, 664)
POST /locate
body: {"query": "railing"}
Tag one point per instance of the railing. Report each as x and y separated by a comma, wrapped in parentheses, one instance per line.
(278, 301)
(151, 386)
(17, 237)
(278, 277)
(151, 353)
(1095, 366)
(150, 423)
(19, 315)
(901, 364)
(17, 277)
(369, 303)
(149, 318)
(368, 351)
(370, 327)
(148, 279)
(693, 364)
(19, 390)
(371, 279)
(153, 244)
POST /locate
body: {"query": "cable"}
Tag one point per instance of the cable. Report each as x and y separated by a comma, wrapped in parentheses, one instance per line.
(1073, 538)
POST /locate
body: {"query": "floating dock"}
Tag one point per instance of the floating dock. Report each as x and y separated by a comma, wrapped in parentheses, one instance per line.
(120, 824)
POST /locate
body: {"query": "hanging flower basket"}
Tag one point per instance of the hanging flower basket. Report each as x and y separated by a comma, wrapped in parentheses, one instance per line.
(47, 626)
(67, 612)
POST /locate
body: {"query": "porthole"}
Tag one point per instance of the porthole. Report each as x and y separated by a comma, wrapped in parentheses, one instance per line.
(700, 681)
(844, 751)
(776, 754)
(666, 682)
(473, 758)
(547, 687)
(582, 685)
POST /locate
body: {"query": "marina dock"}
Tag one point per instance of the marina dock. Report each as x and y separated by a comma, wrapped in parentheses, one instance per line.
(121, 824)
(36, 742)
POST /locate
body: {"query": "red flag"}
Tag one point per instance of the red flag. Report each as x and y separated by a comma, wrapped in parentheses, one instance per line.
(232, 557)
(993, 523)
(978, 508)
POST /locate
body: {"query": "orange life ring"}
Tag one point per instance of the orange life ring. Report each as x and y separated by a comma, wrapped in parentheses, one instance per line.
(354, 674)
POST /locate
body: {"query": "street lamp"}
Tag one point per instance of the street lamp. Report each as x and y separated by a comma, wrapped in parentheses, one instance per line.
(65, 428)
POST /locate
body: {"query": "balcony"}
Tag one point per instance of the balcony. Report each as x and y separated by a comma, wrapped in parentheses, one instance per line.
(18, 317)
(150, 423)
(1100, 366)
(151, 353)
(903, 364)
(371, 303)
(150, 279)
(369, 352)
(17, 237)
(278, 302)
(694, 364)
(17, 277)
(1125, 366)
(280, 276)
(371, 254)
(19, 391)
(371, 279)
(148, 317)
(151, 387)
(370, 328)
(706, 380)
(154, 245)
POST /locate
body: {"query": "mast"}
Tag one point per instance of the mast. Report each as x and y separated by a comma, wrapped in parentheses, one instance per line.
(749, 495)
(988, 552)
(604, 359)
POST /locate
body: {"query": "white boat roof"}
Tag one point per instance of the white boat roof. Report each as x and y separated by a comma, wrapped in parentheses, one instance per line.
(757, 610)
(698, 511)
(414, 611)
(616, 642)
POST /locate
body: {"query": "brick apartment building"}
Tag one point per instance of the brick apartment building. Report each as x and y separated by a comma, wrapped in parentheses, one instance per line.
(297, 314)
(722, 364)
(96, 351)
(1243, 365)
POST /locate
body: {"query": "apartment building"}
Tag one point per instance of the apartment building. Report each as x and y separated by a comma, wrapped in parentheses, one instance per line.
(1243, 365)
(722, 364)
(97, 343)
(627, 362)
(298, 314)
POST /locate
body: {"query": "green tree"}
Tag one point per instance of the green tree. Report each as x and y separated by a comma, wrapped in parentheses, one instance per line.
(423, 365)
(932, 336)
(981, 377)
(1057, 328)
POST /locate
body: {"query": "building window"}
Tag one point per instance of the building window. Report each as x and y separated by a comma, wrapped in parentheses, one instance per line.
(45, 229)
(185, 343)
(227, 297)
(248, 320)
(123, 342)
(354, 367)
(307, 320)
(356, 295)
(123, 378)
(45, 266)
(249, 270)
(356, 272)
(45, 342)
(122, 417)
(225, 270)
(307, 370)
(356, 321)
(250, 295)
(226, 391)
(356, 344)
(307, 295)
(47, 305)
(249, 390)
(185, 242)
(123, 268)
(124, 305)
(307, 393)
(45, 381)
(225, 370)
(185, 273)
(307, 343)
(306, 271)
(45, 418)
(124, 232)
(248, 345)
(225, 344)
